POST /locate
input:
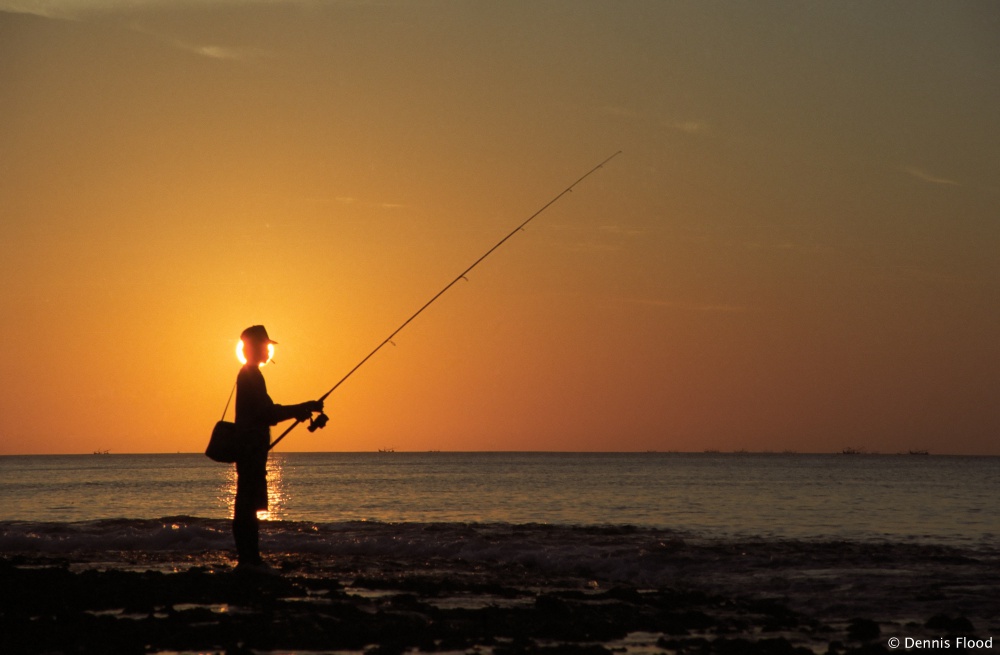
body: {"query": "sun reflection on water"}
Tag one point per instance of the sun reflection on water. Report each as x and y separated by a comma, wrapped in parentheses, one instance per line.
(276, 492)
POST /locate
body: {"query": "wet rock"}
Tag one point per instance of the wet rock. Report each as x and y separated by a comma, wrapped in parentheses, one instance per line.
(946, 623)
(395, 609)
(863, 630)
(868, 649)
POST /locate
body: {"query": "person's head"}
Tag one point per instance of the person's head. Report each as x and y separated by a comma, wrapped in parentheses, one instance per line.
(255, 344)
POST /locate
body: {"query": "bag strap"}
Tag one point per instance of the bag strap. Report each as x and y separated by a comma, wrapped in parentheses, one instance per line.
(229, 401)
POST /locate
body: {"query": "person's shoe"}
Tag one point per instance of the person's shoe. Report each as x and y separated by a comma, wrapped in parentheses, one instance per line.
(257, 567)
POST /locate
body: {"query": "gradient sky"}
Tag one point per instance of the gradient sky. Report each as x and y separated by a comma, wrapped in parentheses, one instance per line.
(797, 249)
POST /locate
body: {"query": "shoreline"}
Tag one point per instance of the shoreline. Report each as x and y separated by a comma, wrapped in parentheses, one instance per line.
(721, 598)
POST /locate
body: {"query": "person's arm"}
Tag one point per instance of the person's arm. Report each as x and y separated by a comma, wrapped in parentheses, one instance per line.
(300, 412)
(255, 405)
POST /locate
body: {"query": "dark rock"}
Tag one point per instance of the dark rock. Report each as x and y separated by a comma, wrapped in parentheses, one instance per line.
(863, 630)
(946, 623)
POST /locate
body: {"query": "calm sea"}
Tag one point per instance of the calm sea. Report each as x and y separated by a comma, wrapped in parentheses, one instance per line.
(899, 498)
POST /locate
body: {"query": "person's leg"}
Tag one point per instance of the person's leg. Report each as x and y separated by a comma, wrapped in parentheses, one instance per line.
(246, 533)
(246, 529)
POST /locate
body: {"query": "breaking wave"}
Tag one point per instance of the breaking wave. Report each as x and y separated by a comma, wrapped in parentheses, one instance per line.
(636, 555)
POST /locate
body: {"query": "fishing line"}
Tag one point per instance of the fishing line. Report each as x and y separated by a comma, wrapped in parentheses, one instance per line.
(321, 420)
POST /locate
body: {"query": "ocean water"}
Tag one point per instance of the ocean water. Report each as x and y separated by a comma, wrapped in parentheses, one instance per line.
(841, 534)
(900, 498)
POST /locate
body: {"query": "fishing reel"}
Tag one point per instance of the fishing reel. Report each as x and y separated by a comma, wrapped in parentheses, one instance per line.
(318, 423)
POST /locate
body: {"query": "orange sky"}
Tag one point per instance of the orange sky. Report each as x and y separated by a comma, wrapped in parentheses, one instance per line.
(796, 250)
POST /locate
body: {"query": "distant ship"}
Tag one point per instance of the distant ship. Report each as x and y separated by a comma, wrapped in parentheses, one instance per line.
(102, 452)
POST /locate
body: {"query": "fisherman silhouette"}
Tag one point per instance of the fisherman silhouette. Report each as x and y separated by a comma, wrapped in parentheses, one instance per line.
(255, 414)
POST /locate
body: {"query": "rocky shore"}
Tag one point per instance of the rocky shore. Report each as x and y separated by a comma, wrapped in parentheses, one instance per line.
(200, 604)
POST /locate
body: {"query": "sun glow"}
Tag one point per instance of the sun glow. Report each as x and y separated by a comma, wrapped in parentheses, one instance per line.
(277, 493)
(243, 360)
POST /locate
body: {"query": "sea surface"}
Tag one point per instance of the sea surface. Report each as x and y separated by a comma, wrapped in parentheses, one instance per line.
(892, 536)
(900, 498)
(908, 542)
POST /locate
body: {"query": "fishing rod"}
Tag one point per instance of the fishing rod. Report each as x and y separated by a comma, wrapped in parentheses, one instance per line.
(320, 421)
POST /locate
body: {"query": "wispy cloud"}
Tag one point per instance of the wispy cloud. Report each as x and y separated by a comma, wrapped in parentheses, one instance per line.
(78, 9)
(927, 177)
(689, 126)
(227, 53)
(212, 51)
(73, 9)
(35, 7)
(220, 52)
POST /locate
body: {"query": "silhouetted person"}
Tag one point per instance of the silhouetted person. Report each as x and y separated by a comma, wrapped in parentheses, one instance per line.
(255, 414)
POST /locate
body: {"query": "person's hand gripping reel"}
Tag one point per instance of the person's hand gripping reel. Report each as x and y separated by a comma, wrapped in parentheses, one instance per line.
(318, 422)
(304, 412)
